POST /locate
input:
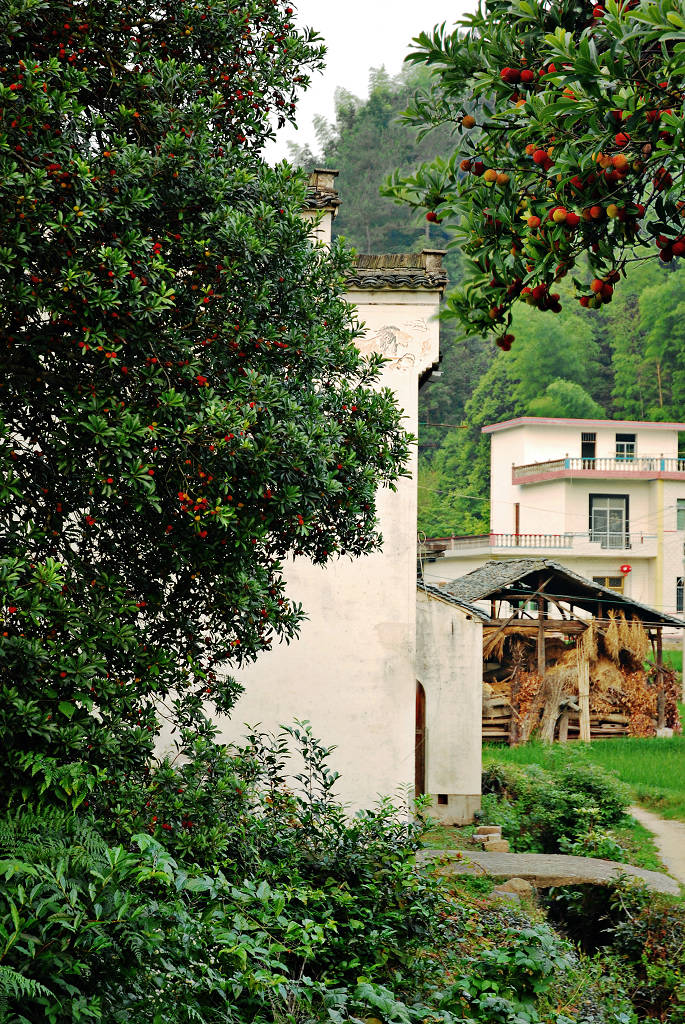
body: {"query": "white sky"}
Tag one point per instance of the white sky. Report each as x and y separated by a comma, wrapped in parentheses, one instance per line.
(360, 35)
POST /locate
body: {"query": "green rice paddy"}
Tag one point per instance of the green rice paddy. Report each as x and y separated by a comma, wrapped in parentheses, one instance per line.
(653, 768)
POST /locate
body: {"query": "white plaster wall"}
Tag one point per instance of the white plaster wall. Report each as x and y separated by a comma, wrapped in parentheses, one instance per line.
(352, 670)
(550, 440)
(505, 451)
(543, 507)
(673, 544)
(578, 502)
(449, 664)
(554, 439)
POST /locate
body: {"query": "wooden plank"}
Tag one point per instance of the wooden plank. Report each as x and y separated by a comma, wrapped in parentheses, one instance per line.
(530, 627)
(660, 694)
(542, 660)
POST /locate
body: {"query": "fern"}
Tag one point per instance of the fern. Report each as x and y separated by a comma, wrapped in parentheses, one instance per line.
(44, 834)
(12, 983)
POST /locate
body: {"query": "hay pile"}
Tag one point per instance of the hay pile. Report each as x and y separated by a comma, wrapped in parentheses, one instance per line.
(623, 697)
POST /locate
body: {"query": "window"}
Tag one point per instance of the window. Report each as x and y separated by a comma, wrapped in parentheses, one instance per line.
(679, 588)
(609, 520)
(588, 449)
(611, 582)
(680, 514)
(625, 447)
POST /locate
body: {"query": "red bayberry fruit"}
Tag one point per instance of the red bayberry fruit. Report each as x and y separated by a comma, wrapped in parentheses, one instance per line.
(510, 75)
(662, 179)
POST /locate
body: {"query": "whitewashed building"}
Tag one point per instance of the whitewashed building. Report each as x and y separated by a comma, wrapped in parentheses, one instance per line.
(604, 497)
(353, 671)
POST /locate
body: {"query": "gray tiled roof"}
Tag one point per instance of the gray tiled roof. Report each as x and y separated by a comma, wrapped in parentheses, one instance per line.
(413, 270)
(442, 593)
(494, 579)
(322, 199)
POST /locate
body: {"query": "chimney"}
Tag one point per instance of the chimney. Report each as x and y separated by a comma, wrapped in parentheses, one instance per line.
(322, 203)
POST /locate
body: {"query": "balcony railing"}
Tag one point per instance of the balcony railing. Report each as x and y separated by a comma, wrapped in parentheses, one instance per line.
(646, 464)
(640, 543)
(619, 539)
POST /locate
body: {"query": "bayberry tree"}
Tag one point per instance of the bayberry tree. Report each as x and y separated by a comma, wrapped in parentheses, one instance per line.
(574, 162)
(182, 404)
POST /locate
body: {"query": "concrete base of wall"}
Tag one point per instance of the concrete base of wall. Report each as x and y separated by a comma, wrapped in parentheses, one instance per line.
(457, 810)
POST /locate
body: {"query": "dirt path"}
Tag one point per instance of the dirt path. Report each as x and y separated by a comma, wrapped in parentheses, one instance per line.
(669, 837)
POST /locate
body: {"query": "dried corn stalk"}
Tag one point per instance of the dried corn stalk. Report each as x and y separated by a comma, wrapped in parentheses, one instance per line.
(588, 642)
(530, 703)
(612, 644)
(556, 685)
(634, 639)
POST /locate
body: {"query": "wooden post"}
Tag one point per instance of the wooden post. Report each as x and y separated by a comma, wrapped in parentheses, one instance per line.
(514, 727)
(542, 659)
(563, 728)
(660, 695)
(584, 697)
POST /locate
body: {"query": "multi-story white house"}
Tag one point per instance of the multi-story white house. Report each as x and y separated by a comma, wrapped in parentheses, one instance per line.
(604, 497)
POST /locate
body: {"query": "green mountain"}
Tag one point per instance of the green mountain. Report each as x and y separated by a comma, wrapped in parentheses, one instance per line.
(624, 360)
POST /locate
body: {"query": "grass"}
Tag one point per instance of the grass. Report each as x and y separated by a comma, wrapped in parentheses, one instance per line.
(450, 837)
(653, 768)
(674, 659)
(638, 842)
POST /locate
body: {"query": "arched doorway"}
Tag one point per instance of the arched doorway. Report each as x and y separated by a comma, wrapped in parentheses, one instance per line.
(420, 742)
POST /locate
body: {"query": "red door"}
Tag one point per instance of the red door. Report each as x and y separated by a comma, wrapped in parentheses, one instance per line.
(420, 746)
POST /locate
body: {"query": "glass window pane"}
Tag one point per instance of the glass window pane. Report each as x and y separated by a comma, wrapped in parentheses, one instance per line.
(680, 525)
(625, 447)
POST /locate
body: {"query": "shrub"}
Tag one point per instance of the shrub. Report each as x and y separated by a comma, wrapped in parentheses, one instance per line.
(593, 784)
(641, 934)
(557, 809)
(298, 899)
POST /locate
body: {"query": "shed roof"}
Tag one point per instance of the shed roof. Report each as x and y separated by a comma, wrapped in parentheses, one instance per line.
(522, 578)
(444, 595)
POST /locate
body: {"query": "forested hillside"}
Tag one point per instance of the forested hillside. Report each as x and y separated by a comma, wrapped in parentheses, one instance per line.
(623, 360)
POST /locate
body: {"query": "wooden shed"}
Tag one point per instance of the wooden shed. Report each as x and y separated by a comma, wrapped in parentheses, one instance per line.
(565, 657)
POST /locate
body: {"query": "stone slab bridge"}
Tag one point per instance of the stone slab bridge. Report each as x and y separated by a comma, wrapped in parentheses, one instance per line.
(544, 870)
